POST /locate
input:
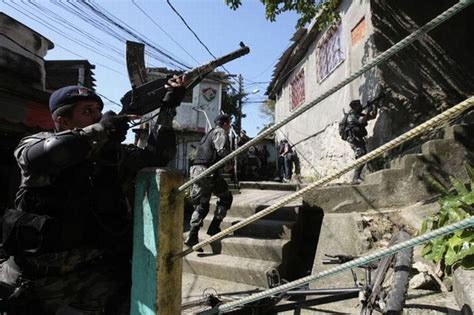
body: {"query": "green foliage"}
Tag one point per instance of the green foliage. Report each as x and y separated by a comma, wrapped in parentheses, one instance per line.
(268, 109)
(230, 103)
(325, 10)
(456, 205)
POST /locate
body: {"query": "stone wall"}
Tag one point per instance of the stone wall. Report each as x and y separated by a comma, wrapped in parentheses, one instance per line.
(430, 75)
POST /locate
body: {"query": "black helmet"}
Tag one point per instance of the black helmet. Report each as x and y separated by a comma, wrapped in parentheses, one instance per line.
(71, 94)
(355, 104)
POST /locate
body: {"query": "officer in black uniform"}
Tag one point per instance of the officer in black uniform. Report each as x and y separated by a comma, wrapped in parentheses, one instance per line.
(213, 147)
(70, 234)
(356, 132)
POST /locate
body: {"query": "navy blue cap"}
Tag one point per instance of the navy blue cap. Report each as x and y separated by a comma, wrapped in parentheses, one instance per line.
(222, 118)
(70, 95)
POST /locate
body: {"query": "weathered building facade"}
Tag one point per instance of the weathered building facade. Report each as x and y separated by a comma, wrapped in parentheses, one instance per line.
(426, 77)
(195, 116)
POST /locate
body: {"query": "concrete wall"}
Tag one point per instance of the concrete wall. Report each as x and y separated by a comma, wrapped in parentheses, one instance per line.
(315, 133)
(21, 53)
(187, 118)
(428, 76)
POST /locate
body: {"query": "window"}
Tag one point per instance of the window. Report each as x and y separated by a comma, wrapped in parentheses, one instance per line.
(358, 32)
(297, 90)
(329, 52)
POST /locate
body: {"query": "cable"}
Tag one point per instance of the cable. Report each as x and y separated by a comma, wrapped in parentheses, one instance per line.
(48, 25)
(68, 50)
(96, 9)
(200, 41)
(169, 36)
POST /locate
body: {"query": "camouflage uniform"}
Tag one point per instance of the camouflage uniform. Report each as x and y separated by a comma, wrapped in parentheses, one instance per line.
(356, 132)
(214, 146)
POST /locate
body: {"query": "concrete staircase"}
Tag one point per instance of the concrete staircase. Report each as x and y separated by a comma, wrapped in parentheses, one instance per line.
(264, 244)
(290, 235)
(398, 193)
(402, 184)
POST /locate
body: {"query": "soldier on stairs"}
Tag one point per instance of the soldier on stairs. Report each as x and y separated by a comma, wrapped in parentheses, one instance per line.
(213, 147)
(353, 129)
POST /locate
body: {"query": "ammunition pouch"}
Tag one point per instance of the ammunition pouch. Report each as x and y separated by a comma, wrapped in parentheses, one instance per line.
(24, 233)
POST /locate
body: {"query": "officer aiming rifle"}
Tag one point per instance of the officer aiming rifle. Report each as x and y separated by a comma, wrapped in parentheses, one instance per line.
(352, 128)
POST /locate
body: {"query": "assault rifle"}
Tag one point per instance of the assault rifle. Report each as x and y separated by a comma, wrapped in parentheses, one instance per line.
(376, 102)
(147, 95)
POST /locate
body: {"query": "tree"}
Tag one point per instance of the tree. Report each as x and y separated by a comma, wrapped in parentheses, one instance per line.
(268, 109)
(324, 10)
(230, 103)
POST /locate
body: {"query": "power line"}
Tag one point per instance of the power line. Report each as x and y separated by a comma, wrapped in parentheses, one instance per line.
(200, 41)
(77, 30)
(66, 49)
(96, 9)
(166, 33)
(48, 25)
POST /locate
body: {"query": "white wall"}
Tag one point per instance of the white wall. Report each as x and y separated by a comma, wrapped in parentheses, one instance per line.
(187, 118)
(315, 132)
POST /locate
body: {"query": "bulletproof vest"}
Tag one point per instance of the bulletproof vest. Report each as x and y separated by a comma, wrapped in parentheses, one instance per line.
(206, 153)
(353, 124)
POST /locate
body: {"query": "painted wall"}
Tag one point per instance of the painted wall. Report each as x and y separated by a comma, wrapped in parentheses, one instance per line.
(315, 133)
(207, 96)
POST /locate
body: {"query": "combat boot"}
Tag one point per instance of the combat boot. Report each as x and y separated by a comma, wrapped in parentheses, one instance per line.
(357, 179)
(192, 239)
(214, 227)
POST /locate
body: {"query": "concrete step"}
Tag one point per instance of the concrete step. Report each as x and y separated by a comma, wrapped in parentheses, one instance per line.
(225, 267)
(246, 247)
(345, 198)
(407, 161)
(263, 228)
(269, 185)
(250, 201)
(458, 131)
(379, 176)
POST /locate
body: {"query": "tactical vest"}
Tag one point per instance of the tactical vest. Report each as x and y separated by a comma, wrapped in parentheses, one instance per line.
(354, 126)
(206, 153)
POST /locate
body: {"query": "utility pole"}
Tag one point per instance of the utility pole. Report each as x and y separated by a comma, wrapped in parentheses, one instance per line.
(241, 96)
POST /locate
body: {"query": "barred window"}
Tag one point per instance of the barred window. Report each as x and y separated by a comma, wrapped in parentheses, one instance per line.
(297, 90)
(329, 52)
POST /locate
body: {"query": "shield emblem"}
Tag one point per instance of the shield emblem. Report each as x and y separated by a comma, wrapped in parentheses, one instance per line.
(209, 93)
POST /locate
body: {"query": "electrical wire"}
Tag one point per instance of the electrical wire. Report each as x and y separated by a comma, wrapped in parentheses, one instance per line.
(99, 11)
(201, 42)
(166, 33)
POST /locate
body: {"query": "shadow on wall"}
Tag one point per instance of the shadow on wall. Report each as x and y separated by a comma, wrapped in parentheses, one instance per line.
(425, 78)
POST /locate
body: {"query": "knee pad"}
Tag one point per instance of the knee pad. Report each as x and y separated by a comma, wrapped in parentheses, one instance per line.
(202, 209)
(225, 200)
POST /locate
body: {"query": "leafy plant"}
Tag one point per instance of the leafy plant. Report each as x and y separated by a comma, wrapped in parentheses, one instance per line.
(324, 10)
(456, 204)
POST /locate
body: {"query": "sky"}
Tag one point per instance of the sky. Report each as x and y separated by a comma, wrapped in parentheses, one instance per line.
(218, 27)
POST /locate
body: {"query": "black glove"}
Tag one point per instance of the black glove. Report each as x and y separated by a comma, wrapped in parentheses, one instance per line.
(115, 126)
(174, 96)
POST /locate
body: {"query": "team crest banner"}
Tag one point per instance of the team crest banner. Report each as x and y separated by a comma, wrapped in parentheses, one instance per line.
(209, 93)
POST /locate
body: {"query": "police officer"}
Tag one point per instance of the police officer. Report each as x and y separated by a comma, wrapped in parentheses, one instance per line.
(213, 147)
(356, 132)
(70, 234)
